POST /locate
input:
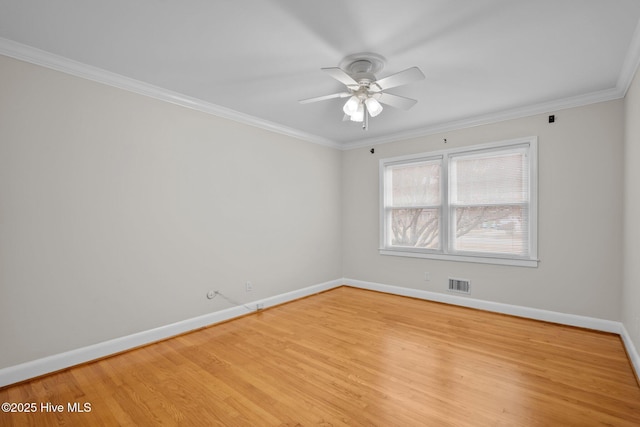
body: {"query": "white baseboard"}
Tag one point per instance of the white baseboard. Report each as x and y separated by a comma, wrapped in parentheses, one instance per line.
(631, 351)
(35, 368)
(514, 310)
(56, 362)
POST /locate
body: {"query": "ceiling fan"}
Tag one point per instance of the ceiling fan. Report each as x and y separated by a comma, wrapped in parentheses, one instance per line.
(365, 92)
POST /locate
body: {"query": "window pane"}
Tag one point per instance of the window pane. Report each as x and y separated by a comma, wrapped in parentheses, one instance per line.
(495, 229)
(417, 184)
(474, 203)
(489, 178)
(415, 228)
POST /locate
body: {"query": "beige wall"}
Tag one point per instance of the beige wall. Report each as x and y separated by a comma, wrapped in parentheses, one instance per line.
(580, 216)
(119, 212)
(631, 287)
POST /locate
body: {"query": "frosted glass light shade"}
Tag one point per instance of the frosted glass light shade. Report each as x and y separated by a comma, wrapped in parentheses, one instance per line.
(351, 106)
(358, 115)
(373, 107)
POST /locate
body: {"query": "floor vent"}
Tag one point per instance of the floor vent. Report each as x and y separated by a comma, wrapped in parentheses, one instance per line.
(459, 285)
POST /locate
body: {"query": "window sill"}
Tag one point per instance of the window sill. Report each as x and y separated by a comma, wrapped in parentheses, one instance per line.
(461, 258)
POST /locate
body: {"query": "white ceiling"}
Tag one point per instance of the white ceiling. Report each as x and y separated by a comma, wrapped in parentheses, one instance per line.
(252, 60)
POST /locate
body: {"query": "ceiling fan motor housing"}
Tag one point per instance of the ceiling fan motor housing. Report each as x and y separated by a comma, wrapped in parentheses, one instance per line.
(362, 67)
(361, 72)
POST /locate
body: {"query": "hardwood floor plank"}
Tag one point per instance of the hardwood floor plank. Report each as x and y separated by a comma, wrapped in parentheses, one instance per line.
(352, 357)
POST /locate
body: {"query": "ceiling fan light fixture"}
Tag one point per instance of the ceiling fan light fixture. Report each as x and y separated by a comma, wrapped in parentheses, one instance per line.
(373, 106)
(358, 115)
(366, 93)
(351, 106)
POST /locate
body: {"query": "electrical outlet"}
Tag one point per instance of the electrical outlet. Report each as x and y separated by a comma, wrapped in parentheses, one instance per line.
(427, 276)
(248, 287)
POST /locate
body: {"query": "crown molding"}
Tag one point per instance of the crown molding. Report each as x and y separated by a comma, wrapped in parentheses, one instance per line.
(625, 78)
(496, 117)
(39, 57)
(42, 58)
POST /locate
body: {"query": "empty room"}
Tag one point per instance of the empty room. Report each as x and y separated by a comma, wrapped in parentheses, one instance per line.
(338, 213)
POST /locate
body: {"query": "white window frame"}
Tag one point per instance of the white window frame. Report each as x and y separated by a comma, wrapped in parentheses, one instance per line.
(445, 253)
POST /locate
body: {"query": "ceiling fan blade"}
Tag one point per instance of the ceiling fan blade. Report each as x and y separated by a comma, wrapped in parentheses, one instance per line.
(396, 101)
(325, 97)
(341, 76)
(401, 78)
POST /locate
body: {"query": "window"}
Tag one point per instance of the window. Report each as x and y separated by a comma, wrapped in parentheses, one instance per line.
(473, 204)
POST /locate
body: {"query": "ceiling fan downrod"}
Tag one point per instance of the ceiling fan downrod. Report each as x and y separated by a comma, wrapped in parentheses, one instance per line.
(365, 121)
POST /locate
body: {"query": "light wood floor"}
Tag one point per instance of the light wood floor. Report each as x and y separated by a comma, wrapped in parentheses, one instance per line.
(352, 357)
